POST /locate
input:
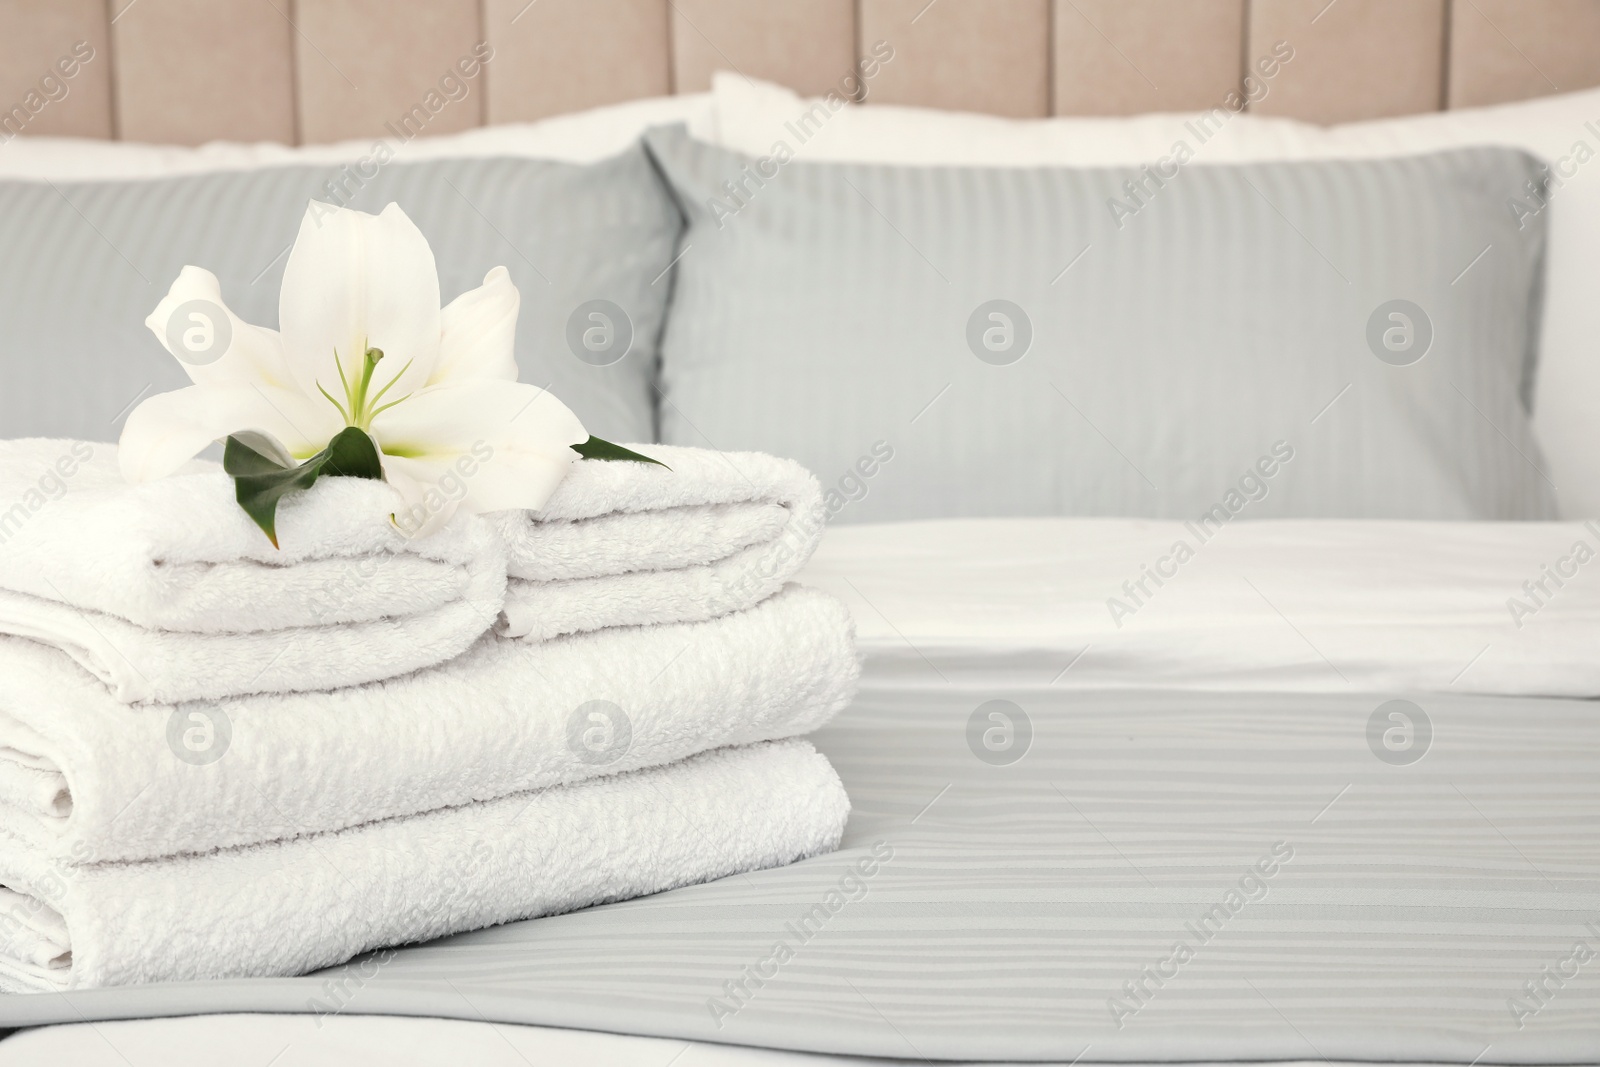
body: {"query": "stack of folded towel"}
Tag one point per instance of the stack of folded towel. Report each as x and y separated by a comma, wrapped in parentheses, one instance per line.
(221, 759)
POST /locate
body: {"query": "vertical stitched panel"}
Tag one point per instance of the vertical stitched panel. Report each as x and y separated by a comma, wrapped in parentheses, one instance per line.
(191, 71)
(1353, 59)
(1500, 51)
(808, 45)
(966, 55)
(1123, 57)
(555, 56)
(369, 68)
(39, 46)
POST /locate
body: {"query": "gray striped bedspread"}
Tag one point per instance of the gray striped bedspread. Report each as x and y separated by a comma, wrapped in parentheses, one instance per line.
(1037, 875)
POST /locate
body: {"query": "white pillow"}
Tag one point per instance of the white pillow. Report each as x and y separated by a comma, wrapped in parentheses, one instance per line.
(581, 137)
(1564, 131)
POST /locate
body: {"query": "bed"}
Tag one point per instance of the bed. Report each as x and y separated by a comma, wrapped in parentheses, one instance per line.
(1031, 844)
(1322, 785)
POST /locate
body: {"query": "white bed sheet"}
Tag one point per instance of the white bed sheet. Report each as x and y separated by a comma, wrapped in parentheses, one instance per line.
(344, 1040)
(1268, 606)
(298, 1041)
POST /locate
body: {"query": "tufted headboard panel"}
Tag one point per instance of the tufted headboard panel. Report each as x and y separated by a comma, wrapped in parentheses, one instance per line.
(306, 71)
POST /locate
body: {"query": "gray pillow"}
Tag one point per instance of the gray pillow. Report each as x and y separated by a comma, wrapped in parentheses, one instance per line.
(83, 263)
(1331, 339)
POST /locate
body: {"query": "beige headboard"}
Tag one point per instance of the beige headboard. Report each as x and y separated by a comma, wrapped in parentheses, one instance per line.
(301, 71)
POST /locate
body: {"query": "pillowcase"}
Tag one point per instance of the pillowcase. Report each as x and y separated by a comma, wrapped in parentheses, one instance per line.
(581, 137)
(83, 262)
(1563, 131)
(1326, 339)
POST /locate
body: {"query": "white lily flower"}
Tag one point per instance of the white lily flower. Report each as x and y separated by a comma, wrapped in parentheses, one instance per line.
(363, 343)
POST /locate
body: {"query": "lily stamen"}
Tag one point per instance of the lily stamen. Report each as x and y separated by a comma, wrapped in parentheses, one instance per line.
(362, 409)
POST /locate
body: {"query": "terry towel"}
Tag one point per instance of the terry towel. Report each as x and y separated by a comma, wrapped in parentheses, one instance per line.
(626, 543)
(290, 907)
(87, 779)
(169, 592)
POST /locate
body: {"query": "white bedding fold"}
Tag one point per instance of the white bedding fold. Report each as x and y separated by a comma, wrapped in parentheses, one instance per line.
(627, 543)
(285, 908)
(86, 778)
(1280, 605)
(168, 591)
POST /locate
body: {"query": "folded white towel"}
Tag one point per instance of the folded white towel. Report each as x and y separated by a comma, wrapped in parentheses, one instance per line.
(85, 778)
(290, 907)
(626, 543)
(169, 592)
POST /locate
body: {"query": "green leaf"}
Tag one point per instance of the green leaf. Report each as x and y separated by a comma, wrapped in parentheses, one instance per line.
(259, 482)
(594, 448)
(261, 477)
(250, 452)
(353, 454)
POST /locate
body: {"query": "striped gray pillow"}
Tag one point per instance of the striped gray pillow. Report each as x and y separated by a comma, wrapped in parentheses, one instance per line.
(1331, 339)
(83, 263)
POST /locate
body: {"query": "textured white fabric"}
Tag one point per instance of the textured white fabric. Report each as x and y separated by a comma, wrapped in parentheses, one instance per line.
(340, 1040)
(627, 543)
(123, 783)
(168, 591)
(290, 907)
(581, 137)
(1263, 606)
(1562, 130)
(397, 1041)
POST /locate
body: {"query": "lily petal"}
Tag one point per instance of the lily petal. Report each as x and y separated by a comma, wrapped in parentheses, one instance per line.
(478, 445)
(355, 280)
(169, 429)
(213, 344)
(480, 332)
